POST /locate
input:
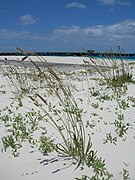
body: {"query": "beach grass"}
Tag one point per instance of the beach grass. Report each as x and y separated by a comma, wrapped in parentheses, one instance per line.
(57, 101)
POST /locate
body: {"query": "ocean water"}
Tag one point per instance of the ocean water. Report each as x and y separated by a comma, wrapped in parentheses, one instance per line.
(128, 58)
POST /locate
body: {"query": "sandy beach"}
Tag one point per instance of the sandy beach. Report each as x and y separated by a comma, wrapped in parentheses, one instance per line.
(100, 114)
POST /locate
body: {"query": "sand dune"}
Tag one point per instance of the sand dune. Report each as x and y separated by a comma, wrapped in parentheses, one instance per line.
(33, 165)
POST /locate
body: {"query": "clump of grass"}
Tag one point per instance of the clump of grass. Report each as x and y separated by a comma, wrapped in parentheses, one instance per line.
(105, 97)
(65, 116)
(100, 171)
(95, 105)
(110, 138)
(21, 128)
(121, 127)
(94, 92)
(120, 80)
(115, 73)
(46, 144)
(125, 174)
(123, 104)
(132, 99)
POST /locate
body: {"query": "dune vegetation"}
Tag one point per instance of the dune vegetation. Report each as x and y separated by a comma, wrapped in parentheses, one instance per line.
(78, 114)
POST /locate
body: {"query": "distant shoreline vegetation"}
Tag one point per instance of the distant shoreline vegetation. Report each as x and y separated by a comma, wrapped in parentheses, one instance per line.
(91, 53)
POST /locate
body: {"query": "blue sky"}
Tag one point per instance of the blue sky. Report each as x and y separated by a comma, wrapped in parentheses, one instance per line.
(67, 25)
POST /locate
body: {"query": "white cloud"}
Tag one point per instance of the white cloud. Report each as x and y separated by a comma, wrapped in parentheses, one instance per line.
(121, 30)
(116, 2)
(118, 30)
(20, 35)
(76, 5)
(67, 30)
(74, 37)
(7, 34)
(27, 19)
(107, 2)
(101, 35)
(124, 3)
(124, 28)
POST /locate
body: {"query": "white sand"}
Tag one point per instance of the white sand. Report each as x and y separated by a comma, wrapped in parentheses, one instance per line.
(58, 59)
(52, 59)
(31, 164)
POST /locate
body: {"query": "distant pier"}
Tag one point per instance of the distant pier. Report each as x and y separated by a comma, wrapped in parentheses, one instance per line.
(91, 53)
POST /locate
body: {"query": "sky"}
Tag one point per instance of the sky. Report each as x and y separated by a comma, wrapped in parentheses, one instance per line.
(67, 25)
